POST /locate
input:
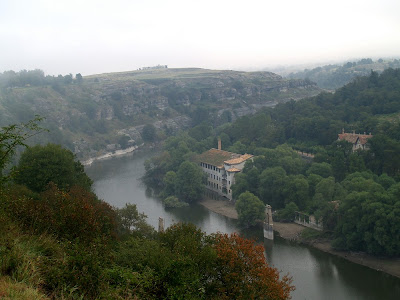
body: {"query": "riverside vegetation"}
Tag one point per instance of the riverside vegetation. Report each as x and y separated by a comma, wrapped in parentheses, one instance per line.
(356, 194)
(59, 241)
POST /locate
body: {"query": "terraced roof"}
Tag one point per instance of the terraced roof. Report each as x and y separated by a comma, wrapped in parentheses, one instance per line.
(233, 170)
(353, 137)
(216, 157)
(238, 160)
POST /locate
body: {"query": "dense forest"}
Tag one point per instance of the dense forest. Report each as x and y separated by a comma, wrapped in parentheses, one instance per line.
(354, 193)
(334, 76)
(59, 241)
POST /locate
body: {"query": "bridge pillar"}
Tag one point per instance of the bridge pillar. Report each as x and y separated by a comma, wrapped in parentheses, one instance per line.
(268, 223)
(160, 224)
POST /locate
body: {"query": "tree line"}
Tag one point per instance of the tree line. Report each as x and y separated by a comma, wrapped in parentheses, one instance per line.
(335, 76)
(10, 79)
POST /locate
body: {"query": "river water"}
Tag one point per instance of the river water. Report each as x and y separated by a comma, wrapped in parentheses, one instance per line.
(316, 275)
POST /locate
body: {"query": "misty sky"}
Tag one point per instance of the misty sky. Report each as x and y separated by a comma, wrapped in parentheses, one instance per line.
(90, 37)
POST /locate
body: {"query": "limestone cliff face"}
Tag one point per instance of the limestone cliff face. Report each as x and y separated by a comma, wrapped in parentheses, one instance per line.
(108, 111)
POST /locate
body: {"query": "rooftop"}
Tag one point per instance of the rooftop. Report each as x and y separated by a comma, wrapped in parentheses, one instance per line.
(216, 157)
(233, 170)
(353, 137)
(238, 160)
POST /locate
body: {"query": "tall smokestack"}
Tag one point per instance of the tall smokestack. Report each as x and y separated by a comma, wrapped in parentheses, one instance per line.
(219, 144)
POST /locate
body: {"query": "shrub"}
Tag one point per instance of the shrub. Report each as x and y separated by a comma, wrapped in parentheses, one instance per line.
(76, 214)
(173, 202)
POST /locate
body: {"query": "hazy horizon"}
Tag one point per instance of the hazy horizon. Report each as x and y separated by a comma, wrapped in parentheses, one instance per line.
(91, 37)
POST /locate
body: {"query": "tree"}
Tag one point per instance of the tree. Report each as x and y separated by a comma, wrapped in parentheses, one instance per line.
(199, 115)
(288, 213)
(321, 169)
(173, 202)
(253, 180)
(296, 190)
(68, 78)
(244, 273)
(241, 185)
(169, 183)
(189, 182)
(149, 133)
(13, 136)
(130, 221)
(250, 209)
(272, 185)
(188, 274)
(40, 165)
(238, 147)
(326, 187)
(77, 213)
(79, 77)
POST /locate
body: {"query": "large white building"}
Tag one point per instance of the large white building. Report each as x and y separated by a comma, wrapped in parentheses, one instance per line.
(220, 167)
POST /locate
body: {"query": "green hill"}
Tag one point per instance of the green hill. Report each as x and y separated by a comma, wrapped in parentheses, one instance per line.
(334, 76)
(107, 112)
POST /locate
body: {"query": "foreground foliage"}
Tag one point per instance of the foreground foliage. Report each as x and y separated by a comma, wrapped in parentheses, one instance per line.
(40, 165)
(62, 242)
(244, 273)
(180, 263)
(13, 136)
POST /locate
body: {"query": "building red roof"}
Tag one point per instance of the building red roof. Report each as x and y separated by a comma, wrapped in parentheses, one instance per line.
(353, 137)
(216, 157)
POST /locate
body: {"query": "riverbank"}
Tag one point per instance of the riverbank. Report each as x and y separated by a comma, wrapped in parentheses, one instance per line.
(292, 231)
(108, 155)
(387, 265)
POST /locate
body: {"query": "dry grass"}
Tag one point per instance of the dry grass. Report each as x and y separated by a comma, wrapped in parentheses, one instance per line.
(9, 289)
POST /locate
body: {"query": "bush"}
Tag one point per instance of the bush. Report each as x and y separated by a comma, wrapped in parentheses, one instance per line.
(77, 214)
(250, 209)
(40, 165)
(287, 214)
(173, 202)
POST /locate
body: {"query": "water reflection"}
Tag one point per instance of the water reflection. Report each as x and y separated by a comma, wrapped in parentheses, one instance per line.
(316, 275)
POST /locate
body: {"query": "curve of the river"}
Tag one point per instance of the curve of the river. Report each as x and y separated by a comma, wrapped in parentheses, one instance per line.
(316, 275)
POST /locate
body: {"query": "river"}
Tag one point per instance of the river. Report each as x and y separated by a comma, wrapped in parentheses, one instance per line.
(316, 274)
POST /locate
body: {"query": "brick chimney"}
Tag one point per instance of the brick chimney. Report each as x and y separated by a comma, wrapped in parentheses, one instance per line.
(219, 144)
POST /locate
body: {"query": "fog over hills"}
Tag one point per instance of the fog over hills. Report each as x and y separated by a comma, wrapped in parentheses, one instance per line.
(94, 114)
(101, 36)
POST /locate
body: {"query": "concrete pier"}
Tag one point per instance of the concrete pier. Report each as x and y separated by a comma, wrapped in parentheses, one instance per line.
(268, 223)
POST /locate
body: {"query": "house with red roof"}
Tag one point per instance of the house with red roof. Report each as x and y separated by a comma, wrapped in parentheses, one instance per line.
(359, 141)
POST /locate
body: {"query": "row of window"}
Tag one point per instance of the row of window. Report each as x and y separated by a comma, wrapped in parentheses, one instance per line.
(210, 167)
(217, 178)
(216, 186)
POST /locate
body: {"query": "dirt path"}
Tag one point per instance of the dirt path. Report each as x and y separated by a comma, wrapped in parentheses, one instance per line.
(222, 207)
(288, 231)
(292, 231)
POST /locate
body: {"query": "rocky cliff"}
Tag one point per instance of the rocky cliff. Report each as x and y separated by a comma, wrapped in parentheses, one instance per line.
(107, 112)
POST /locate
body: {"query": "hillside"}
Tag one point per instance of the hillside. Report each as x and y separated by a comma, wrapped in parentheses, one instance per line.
(107, 112)
(334, 76)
